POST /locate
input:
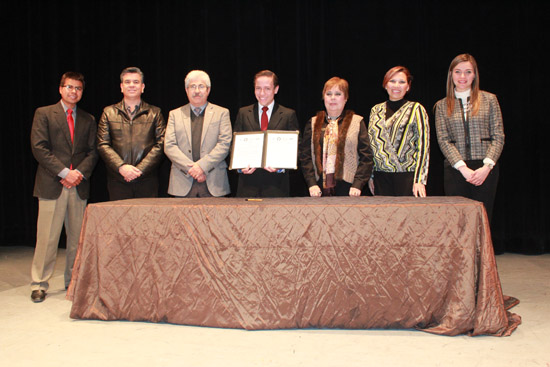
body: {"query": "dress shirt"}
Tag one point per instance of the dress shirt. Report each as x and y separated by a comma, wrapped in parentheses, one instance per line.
(65, 171)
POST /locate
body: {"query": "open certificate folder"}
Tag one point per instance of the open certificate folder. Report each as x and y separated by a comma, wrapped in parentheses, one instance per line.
(259, 149)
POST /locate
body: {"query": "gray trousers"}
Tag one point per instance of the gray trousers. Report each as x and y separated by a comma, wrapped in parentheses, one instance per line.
(68, 209)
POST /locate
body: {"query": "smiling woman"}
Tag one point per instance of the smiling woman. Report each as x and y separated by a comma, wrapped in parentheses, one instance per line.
(335, 154)
(400, 137)
(470, 134)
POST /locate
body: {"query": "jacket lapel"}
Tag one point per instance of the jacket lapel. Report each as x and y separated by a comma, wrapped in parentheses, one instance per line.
(79, 129)
(275, 118)
(208, 115)
(61, 120)
(253, 119)
(186, 119)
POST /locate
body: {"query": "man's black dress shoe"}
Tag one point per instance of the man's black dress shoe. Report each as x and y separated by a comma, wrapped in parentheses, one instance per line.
(38, 296)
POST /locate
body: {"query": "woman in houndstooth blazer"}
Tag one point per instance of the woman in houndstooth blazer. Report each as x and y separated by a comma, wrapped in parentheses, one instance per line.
(470, 133)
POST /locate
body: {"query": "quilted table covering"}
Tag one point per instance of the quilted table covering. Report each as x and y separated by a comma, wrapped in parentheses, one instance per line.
(341, 262)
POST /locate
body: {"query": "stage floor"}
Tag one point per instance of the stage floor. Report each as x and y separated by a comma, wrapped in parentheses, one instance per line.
(44, 334)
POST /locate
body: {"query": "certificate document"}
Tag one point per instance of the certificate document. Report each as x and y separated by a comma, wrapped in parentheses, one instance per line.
(259, 149)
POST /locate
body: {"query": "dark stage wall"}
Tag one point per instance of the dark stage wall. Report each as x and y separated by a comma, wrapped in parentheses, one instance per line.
(305, 43)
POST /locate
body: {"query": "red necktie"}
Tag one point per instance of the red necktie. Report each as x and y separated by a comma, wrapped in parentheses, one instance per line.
(263, 125)
(70, 121)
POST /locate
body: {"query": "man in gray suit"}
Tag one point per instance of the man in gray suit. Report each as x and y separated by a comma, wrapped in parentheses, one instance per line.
(197, 140)
(63, 143)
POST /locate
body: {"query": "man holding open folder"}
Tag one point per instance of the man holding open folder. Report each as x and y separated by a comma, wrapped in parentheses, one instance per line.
(264, 115)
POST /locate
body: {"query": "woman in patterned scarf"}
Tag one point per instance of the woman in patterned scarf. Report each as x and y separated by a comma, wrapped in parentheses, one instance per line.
(335, 154)
(399, 134)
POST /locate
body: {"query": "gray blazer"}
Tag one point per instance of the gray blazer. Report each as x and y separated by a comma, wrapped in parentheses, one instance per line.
(51, 146)
(486, 131)
(215, 143)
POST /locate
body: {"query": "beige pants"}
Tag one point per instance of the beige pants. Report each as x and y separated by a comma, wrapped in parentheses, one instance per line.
(68, 209)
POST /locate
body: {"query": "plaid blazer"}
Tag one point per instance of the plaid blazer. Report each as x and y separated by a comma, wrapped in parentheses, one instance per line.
(485, 131)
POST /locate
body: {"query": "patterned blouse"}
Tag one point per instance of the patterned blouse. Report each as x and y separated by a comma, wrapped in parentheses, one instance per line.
(401, 143)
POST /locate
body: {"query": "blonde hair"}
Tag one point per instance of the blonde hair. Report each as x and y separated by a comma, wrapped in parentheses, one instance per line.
(474, 93)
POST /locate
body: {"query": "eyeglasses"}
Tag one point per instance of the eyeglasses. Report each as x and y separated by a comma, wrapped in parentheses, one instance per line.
(70, 88)
(197, 86)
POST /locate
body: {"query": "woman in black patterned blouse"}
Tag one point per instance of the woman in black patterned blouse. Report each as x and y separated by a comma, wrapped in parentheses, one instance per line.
(399, 134)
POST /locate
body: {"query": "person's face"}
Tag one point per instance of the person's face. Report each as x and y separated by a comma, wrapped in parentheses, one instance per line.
(463, 76)
(71, 92)
(334, 101)
(132, 86)
(197, 92)
(264, 90)
(397, 86)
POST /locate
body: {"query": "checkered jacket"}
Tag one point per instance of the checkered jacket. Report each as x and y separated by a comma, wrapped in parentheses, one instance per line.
(485, 131)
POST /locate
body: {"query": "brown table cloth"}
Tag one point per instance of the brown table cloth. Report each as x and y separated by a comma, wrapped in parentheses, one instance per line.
(344, 262)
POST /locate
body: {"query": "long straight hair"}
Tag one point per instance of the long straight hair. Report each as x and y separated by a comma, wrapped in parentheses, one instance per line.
(474, 94)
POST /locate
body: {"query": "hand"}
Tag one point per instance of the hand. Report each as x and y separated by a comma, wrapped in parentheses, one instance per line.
(196, 172)
(419, 190)
(466, 172)
(269, 169)
(354, 192)
(371, 186)
(73, 178)
(479, 175)
(248, 170)
(314, 191)
(201, 178)
(129, 172)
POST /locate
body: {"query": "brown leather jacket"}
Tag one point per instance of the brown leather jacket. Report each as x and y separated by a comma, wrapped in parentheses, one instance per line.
(139, 142)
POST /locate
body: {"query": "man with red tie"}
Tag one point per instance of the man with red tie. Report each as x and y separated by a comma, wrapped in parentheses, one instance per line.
(265, 115)
(63, 143)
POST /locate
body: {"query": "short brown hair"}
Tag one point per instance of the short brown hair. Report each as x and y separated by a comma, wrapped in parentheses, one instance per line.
(267, 73)
(342, 84)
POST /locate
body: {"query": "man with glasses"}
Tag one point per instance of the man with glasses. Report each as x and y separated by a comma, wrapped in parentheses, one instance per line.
(130, 140)
(198, 136)
(63, 143)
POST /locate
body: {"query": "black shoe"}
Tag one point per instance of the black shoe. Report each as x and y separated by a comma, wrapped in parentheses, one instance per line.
(38, 296)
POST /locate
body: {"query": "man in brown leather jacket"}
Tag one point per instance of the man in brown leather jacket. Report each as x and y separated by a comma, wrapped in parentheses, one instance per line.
(130, 139)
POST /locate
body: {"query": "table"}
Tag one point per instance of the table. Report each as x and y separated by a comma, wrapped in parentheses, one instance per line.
(340, 262)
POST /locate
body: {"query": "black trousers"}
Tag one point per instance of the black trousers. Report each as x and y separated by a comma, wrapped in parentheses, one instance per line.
(341, 188)
(455, 185)
(263, 184)
(139, 188)
(393, 183)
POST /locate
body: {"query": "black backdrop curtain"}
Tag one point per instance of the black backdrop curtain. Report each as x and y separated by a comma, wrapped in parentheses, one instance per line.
(305, 43)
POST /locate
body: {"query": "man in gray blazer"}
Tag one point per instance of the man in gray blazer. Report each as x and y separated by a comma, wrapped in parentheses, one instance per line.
(197, 140)
(63, 143)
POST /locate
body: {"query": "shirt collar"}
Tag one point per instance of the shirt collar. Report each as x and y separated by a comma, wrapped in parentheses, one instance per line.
(269, 106)
(65, 108)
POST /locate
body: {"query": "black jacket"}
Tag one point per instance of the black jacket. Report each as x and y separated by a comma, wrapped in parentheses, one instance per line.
(139, 142)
